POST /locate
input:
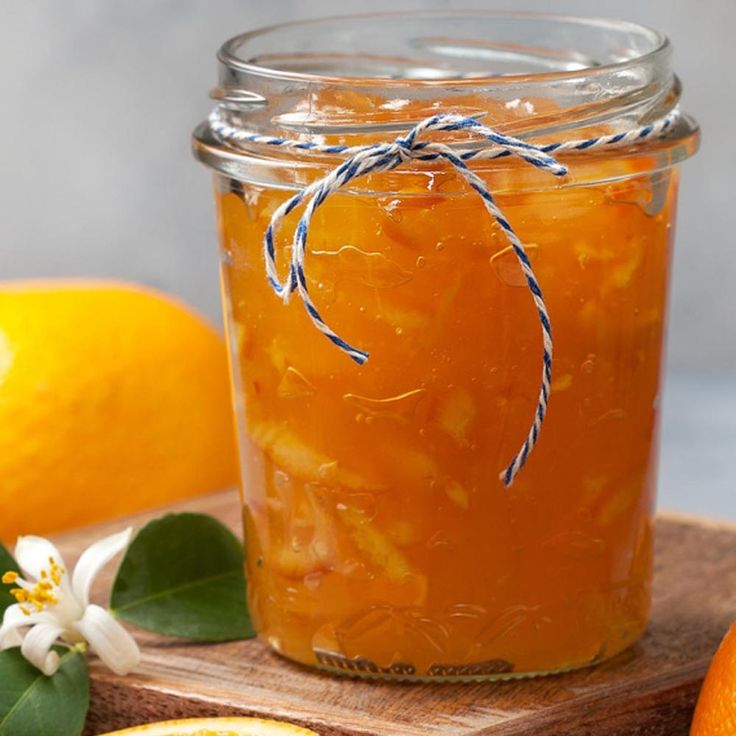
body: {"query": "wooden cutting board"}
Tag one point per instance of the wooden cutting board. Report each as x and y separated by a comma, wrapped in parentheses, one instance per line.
(649, 690)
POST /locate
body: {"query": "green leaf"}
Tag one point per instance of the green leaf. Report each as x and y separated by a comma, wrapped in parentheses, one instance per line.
(7, 563)
(183, 576)
(32, 704)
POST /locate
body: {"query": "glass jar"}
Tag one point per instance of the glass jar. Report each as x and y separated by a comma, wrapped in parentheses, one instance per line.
(381, 540)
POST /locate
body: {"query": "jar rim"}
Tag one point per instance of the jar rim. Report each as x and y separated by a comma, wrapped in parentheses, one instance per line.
(658, 45)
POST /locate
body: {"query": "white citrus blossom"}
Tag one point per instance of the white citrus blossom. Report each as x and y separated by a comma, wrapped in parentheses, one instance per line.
(52, 609)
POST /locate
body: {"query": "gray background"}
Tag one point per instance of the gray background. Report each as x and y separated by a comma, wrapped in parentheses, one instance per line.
(98, 102)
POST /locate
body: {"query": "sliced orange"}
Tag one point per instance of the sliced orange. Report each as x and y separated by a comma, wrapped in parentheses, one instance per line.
(216, 727)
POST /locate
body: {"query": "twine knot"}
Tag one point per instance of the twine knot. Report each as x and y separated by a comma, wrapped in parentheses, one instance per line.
(404, 147)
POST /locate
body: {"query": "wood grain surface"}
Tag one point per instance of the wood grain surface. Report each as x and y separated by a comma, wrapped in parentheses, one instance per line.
(649, 690)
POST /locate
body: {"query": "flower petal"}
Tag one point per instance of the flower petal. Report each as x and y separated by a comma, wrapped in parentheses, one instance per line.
(15, 619)
(10, 639)
(109, 640)
(33, 553)
(36, 647)
(93, 559)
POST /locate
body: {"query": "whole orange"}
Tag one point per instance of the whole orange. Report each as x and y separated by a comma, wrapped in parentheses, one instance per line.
(715, 713)
(113, 398)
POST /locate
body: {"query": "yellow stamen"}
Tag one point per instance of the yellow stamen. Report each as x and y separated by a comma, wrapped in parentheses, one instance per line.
(56, 571)
(42, 594)
(10, 577)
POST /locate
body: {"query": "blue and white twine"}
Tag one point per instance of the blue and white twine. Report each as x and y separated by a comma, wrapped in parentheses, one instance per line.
(378, 157)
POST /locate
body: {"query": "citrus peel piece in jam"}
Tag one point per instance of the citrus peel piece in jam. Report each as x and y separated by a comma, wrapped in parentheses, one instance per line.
(374, 543)
(298, 459)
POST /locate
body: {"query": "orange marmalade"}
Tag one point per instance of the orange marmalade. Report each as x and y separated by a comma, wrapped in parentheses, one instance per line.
(380, 538)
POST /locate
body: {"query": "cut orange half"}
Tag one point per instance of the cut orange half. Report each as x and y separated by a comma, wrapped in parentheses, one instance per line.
(216, 727)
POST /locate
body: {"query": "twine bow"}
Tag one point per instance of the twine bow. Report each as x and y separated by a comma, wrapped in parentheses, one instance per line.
(379, 157)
